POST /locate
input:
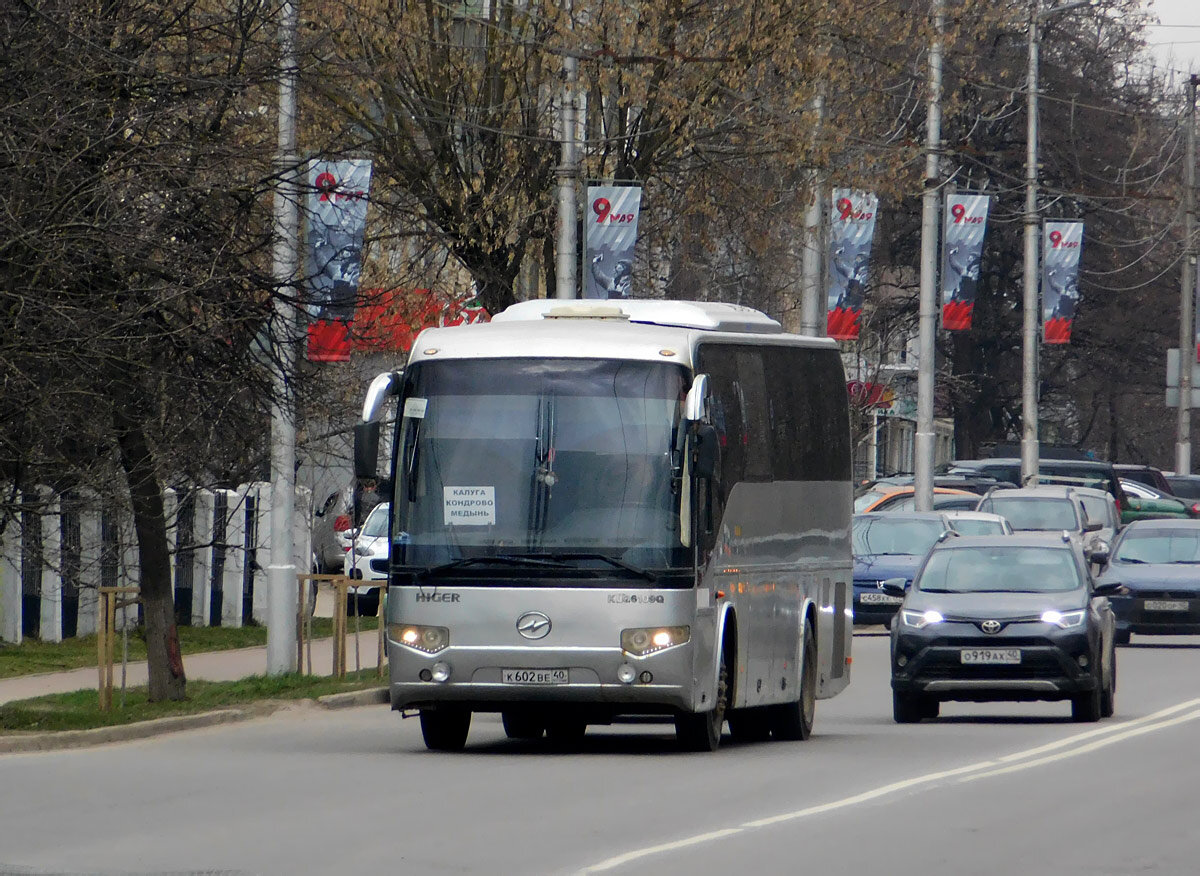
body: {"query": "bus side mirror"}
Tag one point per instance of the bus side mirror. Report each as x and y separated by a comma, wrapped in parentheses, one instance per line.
(706, 451)
(366, 449)
(695, 406)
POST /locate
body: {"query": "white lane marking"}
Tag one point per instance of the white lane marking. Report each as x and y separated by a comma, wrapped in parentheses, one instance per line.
(1021, 760)
(654, 850)
(1084, 749)
(1100, 731)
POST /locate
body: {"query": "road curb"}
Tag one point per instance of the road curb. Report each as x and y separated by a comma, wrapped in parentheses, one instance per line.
(66, 739)
(63, 739)
(370, 697)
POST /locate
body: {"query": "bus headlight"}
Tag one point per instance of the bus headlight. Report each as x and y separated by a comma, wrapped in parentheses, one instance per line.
(641, 641)
(427, 639)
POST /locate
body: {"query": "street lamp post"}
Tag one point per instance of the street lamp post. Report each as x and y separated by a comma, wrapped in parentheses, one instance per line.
(1029, 358)
(923, 446)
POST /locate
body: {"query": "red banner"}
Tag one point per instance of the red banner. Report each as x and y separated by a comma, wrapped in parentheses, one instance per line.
(390, 320)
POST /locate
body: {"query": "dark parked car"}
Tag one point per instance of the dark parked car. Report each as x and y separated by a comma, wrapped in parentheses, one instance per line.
(1157, 564)
(1008, 618)
(1143, 474)
(889, 545)
(1185, 486)
(1068, 472)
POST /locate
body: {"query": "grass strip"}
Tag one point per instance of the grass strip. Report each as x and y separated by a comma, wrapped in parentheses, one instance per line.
(80, 710)
(32, 657)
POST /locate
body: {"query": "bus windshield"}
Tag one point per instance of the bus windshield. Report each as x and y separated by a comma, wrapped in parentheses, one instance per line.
(504, 457)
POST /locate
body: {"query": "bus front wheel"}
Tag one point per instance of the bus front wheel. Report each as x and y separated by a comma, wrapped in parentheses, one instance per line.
(445, 729)
(701, 731)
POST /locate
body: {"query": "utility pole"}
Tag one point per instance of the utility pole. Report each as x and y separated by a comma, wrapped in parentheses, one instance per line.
(923, 447)
(281, 573)
(1187, 292)
(1032, 313)
(567, 255)
(1029, 333)
(812, 299)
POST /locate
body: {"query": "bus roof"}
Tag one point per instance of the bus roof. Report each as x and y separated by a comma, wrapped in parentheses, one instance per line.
(627, 329)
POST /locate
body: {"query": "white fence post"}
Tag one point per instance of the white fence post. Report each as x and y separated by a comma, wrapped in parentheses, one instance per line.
(50, 624)
(202, 557)
(10, 582)
(91, 548)
(233, 583)
(262, 547)
(302, 530)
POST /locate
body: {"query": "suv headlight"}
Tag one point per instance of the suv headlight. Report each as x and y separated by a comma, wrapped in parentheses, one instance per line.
(920, 619)
(427, 639)
(1064, 619)
(641, 641)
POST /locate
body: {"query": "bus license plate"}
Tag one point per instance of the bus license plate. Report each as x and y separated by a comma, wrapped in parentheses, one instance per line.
(534, 676)
(1165, 605)
(990, 655)
(880, 599)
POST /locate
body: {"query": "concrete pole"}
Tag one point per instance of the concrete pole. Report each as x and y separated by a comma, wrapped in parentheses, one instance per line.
(567, 255)
(812, 298)
(1187, 291)
(1029, 357)
(924, 444)
(281, 573)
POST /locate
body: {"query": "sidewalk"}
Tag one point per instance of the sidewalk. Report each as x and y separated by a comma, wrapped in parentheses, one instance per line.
(207, 666)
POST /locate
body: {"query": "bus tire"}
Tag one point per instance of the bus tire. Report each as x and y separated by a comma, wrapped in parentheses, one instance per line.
(701, 731)
(522, 724)
(445, 729)
(794, 721)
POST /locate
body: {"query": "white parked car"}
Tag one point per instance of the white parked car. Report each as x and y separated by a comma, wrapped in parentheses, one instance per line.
(978, 523)
(366, 558)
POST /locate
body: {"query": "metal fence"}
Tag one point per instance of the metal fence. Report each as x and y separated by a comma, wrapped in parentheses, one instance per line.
(60, 551)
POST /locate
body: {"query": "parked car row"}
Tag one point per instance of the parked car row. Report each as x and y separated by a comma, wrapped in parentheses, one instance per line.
(1027, 596)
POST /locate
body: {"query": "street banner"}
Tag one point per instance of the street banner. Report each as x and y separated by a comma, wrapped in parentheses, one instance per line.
(963, 228)
(1061, 246)
(610, 234)
(336, 219)
(851, 230)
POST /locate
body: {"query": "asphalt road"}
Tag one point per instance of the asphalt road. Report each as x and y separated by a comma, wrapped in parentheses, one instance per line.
(987, 789)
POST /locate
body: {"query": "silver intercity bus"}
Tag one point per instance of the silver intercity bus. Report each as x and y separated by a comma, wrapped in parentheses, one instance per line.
(617, 509)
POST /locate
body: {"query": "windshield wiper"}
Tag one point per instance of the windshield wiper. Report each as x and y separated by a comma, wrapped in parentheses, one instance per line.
(503, 559)
(613, 561)
(1130, 560)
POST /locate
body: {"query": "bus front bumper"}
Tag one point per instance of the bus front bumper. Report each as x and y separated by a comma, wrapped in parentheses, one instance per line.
(493, 678)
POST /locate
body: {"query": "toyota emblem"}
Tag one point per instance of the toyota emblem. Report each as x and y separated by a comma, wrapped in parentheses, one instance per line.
(533, 625)
(991, 626)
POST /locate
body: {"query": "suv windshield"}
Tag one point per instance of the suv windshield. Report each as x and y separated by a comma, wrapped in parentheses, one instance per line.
(539, 457)
(1031, 513)
(997, 569)
(1159, 546)
(891, 535)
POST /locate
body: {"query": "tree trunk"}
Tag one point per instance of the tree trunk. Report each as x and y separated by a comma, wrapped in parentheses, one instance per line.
(163, 658)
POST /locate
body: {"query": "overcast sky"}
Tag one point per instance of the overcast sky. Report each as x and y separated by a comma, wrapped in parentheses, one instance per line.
(1177, 42)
